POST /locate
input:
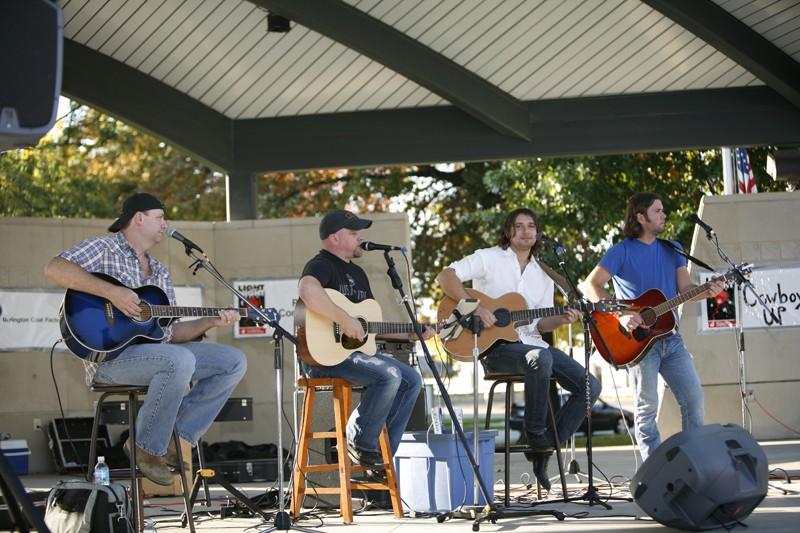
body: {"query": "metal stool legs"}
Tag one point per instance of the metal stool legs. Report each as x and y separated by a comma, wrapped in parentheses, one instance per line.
(137, 495)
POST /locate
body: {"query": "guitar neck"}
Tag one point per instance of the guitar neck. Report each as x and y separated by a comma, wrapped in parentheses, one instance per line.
(526, 315)
(169, 311)
(685, 296)
(389, 327)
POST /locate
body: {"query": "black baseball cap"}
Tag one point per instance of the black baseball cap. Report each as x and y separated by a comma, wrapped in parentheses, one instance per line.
(340, 219)
(141, 201)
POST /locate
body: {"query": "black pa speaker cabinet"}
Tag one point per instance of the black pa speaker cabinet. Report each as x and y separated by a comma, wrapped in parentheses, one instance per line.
(703, 478)
(30, 70)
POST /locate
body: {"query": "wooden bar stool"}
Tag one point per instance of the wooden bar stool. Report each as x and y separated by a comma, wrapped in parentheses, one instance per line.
(342, 401)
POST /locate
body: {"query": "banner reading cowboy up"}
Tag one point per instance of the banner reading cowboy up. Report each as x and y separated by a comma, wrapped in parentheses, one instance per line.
(778, 285)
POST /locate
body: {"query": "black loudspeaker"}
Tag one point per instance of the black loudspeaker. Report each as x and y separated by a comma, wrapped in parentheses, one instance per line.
(31, 49)
(703, 478)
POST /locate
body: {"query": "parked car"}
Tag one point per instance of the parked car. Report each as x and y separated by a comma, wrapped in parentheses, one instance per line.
(605, 417)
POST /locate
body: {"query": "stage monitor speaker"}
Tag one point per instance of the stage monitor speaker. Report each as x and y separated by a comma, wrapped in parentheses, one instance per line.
(703, 478)
(31, 49)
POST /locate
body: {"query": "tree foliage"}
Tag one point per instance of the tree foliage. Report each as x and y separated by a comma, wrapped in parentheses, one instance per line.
(455, 209)
(88, 166)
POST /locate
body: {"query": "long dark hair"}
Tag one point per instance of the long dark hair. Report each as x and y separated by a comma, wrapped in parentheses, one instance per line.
(638, 203)
(508, 229)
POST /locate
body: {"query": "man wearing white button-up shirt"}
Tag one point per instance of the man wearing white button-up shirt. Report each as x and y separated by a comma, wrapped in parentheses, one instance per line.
(512, 266)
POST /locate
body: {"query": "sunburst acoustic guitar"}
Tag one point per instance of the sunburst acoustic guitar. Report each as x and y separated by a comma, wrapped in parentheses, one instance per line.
(624, 348)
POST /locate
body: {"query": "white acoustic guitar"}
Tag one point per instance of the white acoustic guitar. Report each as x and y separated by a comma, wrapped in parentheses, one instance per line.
(321, 342)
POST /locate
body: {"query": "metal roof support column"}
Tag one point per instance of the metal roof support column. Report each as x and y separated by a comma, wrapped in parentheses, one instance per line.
(240, 195)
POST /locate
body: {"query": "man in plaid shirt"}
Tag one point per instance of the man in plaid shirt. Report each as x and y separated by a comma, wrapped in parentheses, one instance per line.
(168, 367)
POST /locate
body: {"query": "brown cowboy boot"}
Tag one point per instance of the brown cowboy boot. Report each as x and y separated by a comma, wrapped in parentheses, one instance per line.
(171, 458)
(152, 466)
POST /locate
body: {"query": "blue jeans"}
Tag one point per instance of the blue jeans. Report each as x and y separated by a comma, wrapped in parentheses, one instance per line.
(167, 369)
(391, 391)
(670, 358)
(538, 364)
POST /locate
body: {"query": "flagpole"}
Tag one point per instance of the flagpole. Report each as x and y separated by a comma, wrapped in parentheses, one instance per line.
(728, 177)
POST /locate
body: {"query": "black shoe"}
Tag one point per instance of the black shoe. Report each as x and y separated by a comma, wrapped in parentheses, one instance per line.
(371, 476)
(372, 460)
(540, 460)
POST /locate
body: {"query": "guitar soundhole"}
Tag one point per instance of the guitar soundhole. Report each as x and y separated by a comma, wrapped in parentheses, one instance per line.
(351, 343)
(145, 313)
(503, 317)
(649, 316)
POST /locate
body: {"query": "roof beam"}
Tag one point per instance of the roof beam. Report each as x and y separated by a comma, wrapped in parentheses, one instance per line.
(97, 80)
(738, 41)
(576, 126)
(382, 43)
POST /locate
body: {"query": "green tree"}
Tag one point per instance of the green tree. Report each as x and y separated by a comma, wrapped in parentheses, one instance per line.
(93, 161)
(455, 209)
(87, 167)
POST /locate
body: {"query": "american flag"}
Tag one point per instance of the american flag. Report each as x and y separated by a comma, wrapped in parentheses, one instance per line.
(744, 172)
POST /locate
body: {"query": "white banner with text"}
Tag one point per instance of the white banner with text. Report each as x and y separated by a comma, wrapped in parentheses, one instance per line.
(280, 294)
(778, 286)
(29, 318)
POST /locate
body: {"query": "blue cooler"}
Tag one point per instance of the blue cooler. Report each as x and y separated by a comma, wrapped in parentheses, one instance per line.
(17, 453)
(435, 475)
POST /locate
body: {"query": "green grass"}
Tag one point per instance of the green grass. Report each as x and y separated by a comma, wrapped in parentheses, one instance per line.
(604, 440)
(580, 440)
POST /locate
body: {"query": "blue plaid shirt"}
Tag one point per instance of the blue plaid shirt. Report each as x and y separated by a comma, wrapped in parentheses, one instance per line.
(114, 256)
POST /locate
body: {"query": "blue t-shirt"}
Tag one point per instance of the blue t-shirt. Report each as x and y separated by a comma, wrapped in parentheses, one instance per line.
(636, 267)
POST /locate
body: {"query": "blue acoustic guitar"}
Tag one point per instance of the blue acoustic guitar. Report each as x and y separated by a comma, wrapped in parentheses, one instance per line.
(95, 330)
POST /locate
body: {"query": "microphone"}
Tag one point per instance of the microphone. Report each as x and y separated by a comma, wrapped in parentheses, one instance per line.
(369, 246)
(557, 248)
(172, 232)
(696, 220)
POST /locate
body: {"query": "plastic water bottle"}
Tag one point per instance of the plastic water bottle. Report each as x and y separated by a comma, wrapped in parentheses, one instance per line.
(102, 476)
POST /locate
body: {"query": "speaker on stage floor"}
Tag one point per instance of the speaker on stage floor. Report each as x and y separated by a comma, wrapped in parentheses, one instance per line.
(31, 41)
(703, 478)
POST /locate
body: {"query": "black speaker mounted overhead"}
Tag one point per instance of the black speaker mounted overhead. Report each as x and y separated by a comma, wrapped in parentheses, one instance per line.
(703, 478)
(31, 49)
(278, 24)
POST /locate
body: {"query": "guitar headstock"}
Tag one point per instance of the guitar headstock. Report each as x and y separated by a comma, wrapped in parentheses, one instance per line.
(738, 274)
(610, 306)
(270, 312)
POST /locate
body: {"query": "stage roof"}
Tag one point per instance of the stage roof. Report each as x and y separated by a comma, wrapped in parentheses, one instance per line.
(369, 82)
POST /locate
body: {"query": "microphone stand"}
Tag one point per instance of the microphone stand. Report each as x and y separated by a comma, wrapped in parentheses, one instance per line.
(743, 284)
(282, 520)
(591, 496)
(490, 510)
(397, 284)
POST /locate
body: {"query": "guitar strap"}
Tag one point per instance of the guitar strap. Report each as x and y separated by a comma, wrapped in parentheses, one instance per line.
(558, 279)
(686, 255)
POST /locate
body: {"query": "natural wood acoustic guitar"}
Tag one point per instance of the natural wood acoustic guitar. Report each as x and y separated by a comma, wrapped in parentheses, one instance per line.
(510, 310)
(321, 341)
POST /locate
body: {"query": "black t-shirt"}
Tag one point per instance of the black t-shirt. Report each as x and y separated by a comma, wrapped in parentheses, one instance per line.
(344, 276)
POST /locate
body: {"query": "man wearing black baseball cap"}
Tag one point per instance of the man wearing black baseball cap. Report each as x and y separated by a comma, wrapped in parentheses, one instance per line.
(166, 367)
(141, 201)
(392, 387)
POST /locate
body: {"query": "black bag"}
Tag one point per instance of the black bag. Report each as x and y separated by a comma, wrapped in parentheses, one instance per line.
(83, 507)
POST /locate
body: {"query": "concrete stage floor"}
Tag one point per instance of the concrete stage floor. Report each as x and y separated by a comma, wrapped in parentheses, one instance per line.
(778, 513)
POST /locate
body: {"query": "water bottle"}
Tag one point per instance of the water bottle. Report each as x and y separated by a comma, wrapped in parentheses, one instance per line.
(102, 476)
